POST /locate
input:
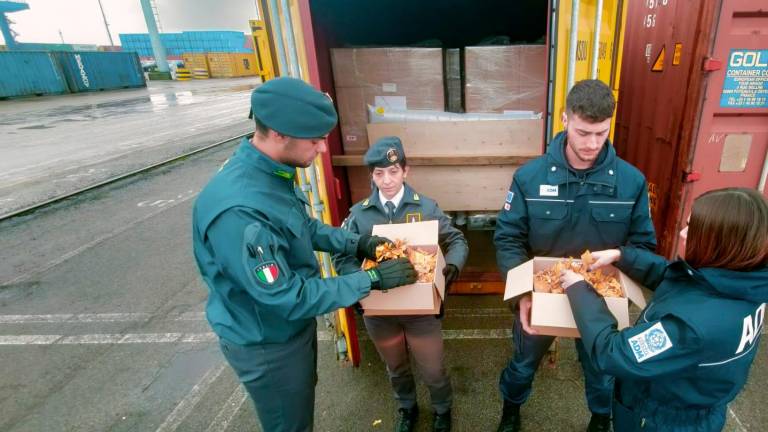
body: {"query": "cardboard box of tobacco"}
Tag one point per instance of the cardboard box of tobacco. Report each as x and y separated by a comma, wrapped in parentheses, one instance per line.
(551, 311)
(420, 241)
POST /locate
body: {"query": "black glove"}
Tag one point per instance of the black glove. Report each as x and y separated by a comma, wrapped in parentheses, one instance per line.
(391, 274)
(366, 246)
(451, 273)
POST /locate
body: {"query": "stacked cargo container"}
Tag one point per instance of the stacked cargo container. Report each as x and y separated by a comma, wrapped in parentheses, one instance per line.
(42, 73)
(177, 44)
(30, 73)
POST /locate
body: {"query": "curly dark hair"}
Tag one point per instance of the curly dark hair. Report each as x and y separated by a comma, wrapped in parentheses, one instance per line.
(592, 100)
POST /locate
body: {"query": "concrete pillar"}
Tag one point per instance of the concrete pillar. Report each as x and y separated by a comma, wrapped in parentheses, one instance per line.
(154, 37)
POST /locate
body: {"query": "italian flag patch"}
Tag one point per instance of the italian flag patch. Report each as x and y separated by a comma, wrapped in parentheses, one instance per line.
(267, 273)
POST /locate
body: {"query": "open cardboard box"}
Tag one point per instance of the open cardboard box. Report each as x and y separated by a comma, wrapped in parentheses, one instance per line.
(551, 313)
(421, 298)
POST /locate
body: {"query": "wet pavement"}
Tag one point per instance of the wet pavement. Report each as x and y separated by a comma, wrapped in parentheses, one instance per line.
(102, 329)
(53, 145)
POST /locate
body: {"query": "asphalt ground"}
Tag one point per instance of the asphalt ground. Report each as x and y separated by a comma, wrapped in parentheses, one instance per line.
(53, 145)
(102, 329)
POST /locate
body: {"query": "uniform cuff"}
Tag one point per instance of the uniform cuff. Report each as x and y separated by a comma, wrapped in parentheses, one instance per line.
(350, 246)
(627, 260)
(362, 282)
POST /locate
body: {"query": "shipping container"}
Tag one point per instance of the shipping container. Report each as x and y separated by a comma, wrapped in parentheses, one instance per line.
(195, 61)
(93, 71)
(694, 102)
(231, 65)
(30, 73)
(194, 41)
(473, 169)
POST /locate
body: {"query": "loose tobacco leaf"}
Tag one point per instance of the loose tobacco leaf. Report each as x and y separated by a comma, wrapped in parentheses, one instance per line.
(548, 281)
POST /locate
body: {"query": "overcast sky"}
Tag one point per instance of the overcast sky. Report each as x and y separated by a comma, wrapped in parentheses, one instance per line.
(80, 21)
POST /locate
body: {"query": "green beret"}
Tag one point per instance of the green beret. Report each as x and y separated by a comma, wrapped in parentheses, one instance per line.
(293, 108)
(386, 151)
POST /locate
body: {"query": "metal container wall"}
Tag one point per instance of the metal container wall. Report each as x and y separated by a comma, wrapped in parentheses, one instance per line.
(674, 121)
(229, 65)
(93, 71)
(30, 73)
(195, 61)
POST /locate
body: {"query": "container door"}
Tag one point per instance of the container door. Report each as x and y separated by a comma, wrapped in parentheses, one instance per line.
(661, 93)
(295, 37)
(730, 148)
(607, 16)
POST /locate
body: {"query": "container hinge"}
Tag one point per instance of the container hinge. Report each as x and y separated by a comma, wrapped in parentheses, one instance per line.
(691, 176)
(711, 64)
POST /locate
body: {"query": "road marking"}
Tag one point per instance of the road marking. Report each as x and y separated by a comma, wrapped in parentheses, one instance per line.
(103, 317)
(207, 337)
(228, 411)
(117, 339)
(739, 426)
(185, 407)
(477, 334)
(74, 318)
(83, 248)
(186, 316)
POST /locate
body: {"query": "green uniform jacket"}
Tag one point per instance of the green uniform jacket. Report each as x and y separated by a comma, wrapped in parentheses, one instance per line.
(689, 353)
(413, 208)
(254, 245)
(553, 210)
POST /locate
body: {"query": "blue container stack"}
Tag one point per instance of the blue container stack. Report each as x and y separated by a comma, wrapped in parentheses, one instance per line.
(24, 73)
(94, 71)
(177, 44)
(30, 73)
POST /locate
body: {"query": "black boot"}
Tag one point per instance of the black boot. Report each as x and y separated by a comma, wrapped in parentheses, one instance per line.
(510, 418)
(406, 419)
(599, 423)
(442, 422)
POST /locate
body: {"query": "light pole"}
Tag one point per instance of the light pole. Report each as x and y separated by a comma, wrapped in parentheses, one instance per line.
(106, 24)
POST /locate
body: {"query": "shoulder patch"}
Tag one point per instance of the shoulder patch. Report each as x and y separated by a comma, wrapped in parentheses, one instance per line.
(267, 272)
(416, 197)
(510, 197)
(650, 343)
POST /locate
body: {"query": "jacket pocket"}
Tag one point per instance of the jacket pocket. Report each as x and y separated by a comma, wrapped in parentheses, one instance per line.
(612, 223)
(547, 221)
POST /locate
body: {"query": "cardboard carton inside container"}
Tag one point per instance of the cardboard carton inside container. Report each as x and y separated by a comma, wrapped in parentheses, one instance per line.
(420, 298)
(398, 77)
(551, 313)
(502, 78)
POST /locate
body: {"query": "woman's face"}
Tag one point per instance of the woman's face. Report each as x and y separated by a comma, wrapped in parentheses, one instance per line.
(684, 235)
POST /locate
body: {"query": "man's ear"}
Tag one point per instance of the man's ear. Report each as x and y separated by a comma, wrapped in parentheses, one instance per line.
(564, 119)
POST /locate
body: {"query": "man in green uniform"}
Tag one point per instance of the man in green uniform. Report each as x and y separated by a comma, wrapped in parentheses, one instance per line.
(254, 246)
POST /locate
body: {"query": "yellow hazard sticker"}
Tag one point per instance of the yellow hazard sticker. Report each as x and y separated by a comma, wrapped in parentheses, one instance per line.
(678, 54)
(658, 64)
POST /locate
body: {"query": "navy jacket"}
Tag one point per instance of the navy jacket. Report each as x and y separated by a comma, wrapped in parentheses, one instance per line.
(553, 210)
(690, 351)
(413, 208)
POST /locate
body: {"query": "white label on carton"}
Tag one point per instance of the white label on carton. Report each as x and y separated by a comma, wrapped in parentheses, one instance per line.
(391, 102)
(389, 88)
(548, 190)
(649, 343)
(351, 137)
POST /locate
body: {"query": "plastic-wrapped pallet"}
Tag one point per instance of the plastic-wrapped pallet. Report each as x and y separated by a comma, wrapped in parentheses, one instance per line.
(394, 115)
(402, 78)
(503, 78)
